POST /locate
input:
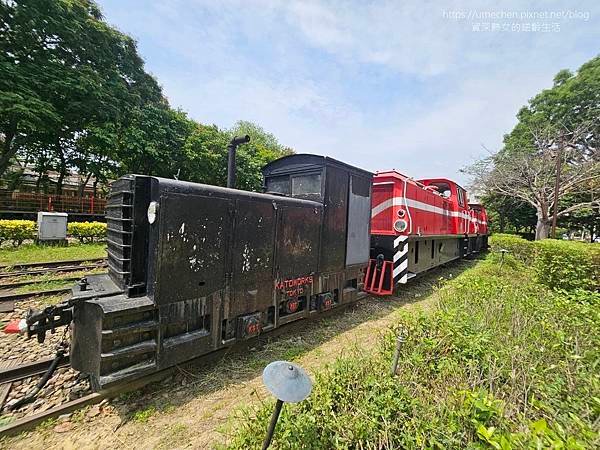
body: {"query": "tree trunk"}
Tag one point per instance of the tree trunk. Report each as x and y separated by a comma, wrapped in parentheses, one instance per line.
(63, 168)
(82, 186)
(39, 180)
(8, 151)
(542, 229)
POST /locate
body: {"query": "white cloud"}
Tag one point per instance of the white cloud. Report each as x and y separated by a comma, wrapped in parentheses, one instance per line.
(295, 68)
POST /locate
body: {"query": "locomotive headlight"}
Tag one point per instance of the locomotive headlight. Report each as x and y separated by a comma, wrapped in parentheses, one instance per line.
(152, 211)
(400, 225)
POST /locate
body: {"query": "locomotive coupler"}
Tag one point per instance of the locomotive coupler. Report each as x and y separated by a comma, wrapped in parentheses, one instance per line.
(380, 259)
(49, 318)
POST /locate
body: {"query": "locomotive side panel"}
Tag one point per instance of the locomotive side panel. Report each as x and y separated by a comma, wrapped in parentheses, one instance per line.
(359, 216)
(333, 254)
(253, 257)
(297, 259)
(194, 232)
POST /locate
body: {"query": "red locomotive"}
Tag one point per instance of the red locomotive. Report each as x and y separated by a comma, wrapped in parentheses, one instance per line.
(417, 225)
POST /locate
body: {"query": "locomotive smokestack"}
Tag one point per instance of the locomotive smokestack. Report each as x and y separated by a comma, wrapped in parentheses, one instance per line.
(231, 149)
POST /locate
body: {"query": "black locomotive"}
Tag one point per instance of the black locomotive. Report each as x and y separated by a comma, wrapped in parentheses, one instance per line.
(193, 268)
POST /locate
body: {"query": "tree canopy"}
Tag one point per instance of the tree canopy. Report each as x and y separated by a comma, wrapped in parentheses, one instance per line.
(74, 96)
(556, 136)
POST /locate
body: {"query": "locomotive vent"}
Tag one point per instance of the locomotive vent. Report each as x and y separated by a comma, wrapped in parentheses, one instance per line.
(127, 233)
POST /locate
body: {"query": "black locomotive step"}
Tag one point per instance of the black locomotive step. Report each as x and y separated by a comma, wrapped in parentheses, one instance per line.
(130, 350)
(131, 372)
(139, 327)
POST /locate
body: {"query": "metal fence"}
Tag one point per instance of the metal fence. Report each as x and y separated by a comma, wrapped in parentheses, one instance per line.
(33, 202)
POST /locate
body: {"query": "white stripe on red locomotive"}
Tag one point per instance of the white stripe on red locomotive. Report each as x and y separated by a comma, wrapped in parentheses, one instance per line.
(403, 201)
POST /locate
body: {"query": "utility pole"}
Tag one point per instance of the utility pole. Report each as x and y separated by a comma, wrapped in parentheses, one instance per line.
(557, 187)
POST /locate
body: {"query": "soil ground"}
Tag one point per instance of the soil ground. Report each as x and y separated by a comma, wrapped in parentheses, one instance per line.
(194, 407)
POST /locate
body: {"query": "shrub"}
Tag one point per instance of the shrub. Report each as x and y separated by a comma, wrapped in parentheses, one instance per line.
(558, 264)
(520, 248)
(17, 231)
(567, 265)
(87, 231)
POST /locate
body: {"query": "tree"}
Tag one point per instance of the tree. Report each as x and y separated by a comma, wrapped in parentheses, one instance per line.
(587, 218)
(253, 156)
(153, 142)
(558, 129)
(509, 214)
(206, 152)
(62, 71)
(530, 175)
(206, 149)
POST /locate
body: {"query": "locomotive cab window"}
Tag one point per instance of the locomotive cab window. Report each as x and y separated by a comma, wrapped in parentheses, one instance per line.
(307, 186)
(278, 185)
(461, 197)
(443, 189)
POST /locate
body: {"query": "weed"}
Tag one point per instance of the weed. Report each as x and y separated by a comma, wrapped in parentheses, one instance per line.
(143, 415)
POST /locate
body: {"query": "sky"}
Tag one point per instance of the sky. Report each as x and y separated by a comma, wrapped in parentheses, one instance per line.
(422, 87)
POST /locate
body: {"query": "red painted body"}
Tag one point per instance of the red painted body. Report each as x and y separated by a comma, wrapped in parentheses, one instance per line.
(417, 225)
(431, 207)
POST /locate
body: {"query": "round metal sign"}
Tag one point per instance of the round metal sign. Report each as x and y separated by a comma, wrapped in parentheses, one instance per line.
(287, 381)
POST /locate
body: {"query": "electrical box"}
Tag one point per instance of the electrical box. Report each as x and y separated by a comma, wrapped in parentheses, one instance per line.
(52, 226)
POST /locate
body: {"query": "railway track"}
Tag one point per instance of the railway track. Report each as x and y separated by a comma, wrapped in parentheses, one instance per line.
(38, 368)
(9, 286)
(29, 422)
(28, 369)
(52, 264)
(25, 295)
(53, 269)
(41, 268)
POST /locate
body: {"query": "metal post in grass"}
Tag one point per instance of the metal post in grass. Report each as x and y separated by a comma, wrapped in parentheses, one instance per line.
(503, 252)
(400, 338)
(287, 382)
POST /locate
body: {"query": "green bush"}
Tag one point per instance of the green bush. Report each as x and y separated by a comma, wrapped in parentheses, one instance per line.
(504, 363)
(520, 248)
(16, 231)
(567, 265)
(558, 264)
(87, 231)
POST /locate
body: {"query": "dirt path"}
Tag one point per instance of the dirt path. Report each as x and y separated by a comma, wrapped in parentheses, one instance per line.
(193, 408)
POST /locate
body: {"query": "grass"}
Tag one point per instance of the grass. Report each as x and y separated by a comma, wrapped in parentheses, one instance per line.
(143, 415)
(174, 436)
(44, 286)
(30, 253)
(502, 362)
